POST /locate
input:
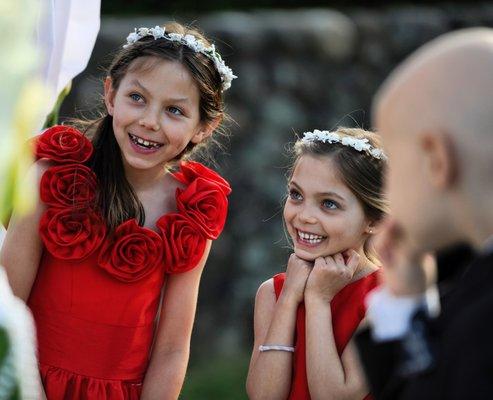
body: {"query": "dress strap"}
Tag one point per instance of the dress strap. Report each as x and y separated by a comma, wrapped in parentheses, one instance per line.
(278, 283)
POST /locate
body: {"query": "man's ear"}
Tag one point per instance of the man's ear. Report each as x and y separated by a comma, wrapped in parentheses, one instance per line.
(440, 158)
(109, 95)
(206, 130)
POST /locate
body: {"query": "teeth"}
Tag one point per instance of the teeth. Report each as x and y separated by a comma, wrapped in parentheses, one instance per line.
(310, 237)
(145, 143)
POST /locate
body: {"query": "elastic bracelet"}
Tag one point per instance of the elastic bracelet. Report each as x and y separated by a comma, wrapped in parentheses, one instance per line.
(276, 347)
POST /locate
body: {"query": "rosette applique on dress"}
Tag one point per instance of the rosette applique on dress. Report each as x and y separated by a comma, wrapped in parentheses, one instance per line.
(96, 294)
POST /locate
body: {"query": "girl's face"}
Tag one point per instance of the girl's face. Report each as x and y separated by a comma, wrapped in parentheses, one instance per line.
(155, 114)
(322, 215)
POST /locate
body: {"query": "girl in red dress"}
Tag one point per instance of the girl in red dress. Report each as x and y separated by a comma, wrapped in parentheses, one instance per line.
(125, 224)
(305, 317)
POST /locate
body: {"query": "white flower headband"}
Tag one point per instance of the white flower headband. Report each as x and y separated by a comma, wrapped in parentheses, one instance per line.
(355, 143)
(191, 42)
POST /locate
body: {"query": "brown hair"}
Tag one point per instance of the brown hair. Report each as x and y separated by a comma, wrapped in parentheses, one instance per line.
(362, 173)
(116, 198)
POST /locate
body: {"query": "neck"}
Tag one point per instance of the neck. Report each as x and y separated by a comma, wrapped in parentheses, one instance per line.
(478, 220)
(142, 179)
(365, 266)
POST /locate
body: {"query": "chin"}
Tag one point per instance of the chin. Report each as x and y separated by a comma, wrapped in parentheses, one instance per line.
(306, 255)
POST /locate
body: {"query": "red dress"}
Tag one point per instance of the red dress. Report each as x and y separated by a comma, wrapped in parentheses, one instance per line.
(348, 309)
(96, 295)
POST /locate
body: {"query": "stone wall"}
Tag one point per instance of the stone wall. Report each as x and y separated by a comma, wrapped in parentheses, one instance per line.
(298, 70)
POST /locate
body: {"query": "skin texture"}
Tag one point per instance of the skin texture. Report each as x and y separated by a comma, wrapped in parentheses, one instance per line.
(314, 274)
(146, 104)
(434, 115)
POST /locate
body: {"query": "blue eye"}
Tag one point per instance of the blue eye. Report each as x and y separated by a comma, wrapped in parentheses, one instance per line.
(329, 204)
(136, 97)
(175, 111)
(295, 195)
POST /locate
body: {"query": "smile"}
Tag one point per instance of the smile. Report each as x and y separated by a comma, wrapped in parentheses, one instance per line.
(309, 238)
(146, 144)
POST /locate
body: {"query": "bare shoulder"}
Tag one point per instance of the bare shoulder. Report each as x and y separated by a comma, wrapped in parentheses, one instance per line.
(266, 295)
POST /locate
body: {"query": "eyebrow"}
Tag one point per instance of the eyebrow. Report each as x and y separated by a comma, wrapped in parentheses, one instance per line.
(173, 100)
(329, 194)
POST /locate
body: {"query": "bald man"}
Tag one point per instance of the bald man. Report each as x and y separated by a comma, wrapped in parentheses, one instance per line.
(435, 114)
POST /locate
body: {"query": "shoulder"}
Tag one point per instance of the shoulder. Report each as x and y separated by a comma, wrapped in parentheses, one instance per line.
(265, 302)
(266, 290)
(191, 171)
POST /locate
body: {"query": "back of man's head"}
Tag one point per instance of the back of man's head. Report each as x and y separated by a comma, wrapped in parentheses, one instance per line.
(435, 113)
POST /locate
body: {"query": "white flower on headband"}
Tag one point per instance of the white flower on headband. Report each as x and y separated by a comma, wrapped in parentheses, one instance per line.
(192, 43)
(355, 143)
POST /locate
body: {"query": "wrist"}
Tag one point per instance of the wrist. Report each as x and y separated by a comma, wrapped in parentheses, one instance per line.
(314, 297)
(288, 298)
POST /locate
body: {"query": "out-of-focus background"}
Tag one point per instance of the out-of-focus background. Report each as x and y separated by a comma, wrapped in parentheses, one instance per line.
(299, 68)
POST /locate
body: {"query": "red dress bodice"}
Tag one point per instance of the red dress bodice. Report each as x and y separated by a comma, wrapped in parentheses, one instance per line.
(96, 295)
(348, 310)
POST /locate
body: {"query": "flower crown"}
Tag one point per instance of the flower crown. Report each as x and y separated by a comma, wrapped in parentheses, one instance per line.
(191, 42)
(355, 143)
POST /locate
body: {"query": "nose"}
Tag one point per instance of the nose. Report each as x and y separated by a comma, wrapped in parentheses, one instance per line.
(306, 215)
(150, 121)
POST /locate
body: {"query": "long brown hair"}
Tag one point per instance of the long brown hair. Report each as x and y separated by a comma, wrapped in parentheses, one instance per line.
(362, 173)
(116, 199)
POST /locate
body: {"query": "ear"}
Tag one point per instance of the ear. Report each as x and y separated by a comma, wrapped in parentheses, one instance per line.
(109, 95)
(372, 227)
(206, 130)
(440, 158)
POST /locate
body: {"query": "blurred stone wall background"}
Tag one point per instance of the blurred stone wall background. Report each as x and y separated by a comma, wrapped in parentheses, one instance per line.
(298, 70)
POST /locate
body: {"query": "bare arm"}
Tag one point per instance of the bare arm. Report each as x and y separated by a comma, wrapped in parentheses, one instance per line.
(330, 376)
(169, 359)
(22, 248)
(269, 375)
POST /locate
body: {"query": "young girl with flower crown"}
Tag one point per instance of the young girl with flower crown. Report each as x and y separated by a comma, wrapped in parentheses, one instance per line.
(117, 235)
(305, 317)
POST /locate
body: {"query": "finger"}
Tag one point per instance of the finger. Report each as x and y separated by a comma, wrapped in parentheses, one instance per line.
(353, 260)
(339, 259)
(319, 262)
(329, 261)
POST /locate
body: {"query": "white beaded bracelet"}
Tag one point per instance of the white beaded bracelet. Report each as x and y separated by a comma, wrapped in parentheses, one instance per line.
(276, 347)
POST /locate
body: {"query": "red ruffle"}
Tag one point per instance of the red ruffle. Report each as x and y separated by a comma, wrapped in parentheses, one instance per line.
(191, 170)
(71, 228)
(71, 233)
(132, 253)
(63, 144)
(183, 243)
(205, 203)
(61, 384)
(68, 186)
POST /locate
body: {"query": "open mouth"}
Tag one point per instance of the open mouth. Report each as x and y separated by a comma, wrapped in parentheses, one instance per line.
(145, 144)
(310, 238)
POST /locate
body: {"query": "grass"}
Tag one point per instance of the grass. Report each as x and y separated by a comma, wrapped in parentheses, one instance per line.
(220, 378)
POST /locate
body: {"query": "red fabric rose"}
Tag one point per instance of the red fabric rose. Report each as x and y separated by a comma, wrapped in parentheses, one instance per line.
(206, 204)
(68, 185)
(184, 245)
(132, 253)
(71, 234)
(189, 171)
(63, 144)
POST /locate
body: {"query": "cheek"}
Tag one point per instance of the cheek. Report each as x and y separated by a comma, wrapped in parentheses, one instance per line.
(288, 213)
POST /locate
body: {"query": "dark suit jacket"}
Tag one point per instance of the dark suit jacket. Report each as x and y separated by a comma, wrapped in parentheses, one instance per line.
(459, 344)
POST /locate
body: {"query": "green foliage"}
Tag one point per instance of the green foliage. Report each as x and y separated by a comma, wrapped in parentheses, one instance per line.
(221, 378)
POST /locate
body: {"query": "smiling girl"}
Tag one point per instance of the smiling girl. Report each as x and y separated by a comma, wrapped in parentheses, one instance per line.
(305, 317)
(116, 235)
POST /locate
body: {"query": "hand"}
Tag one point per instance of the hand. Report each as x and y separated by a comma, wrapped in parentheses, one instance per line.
(296, 276)
(406, 271)
(330, 274)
